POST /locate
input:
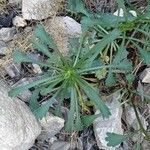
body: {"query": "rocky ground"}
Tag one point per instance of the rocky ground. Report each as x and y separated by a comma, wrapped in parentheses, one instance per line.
(18, 19)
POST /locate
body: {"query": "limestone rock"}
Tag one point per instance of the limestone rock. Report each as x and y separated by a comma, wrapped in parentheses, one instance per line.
(112, 124)
(18, 126)
(7, 34)
(61, 29)
(39, 9)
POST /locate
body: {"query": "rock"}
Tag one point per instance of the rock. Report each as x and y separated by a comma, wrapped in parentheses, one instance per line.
(52, 124)
(39, 9)
(145, 76)
(3, 48)
(19, 21)
(6, 21)
(60, 145)
(7, 34)
(18, 126)
(15, 2)
(13, 70)
(132, 120)
(112, 124)
(61, 29)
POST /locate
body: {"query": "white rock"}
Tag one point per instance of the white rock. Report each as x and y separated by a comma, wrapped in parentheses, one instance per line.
(39, 9)
(112, 124)
(146, 76)
(18, 126)
(19, 21)
(61, 29)
(7, 34)
(52, 124)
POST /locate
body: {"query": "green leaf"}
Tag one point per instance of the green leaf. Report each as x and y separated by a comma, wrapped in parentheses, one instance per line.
(41, 47)
(44, 37)
(50, 87)
(130, 78)
(88, 119)
(120, 61)
(74, 120)
(97, 49)
(41, 111)
(77, 6)
(114, 139)
(15, 91)
(105, 20)
(33, 103)
(145, 55)
(110, 80)
(94, 96)
(19, 57)
(71, 115)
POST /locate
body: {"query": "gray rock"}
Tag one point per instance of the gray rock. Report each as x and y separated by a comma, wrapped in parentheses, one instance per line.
(13, 70)
(15, 2)
(39, 9)
(7, 34)
(60, 146)
(52, 124)
(132, 120)
(3, 48)
(112, 124)
(18, 126)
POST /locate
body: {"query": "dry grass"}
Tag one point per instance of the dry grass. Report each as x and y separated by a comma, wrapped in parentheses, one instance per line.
(101, 5)
(22, 42)
(110, 5)
(3, 5)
